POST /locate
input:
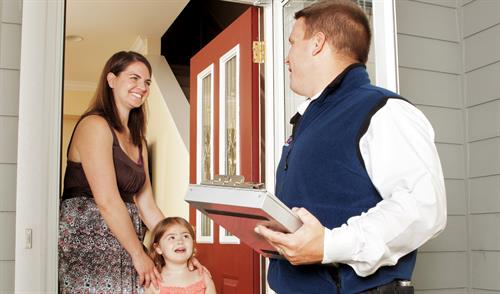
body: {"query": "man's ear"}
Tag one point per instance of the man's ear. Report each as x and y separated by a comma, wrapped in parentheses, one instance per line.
(319, 41)
(111, 79)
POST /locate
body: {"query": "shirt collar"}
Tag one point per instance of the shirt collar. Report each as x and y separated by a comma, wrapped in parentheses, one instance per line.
(303, 106)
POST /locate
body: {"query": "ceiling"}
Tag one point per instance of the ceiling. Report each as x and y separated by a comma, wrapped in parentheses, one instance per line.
(108, 26)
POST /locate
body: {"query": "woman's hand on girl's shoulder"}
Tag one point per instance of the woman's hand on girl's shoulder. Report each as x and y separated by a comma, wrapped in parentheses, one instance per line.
(194, 264)
(209, 283)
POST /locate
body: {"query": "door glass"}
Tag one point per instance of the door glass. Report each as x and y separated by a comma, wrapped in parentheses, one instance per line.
(204, 225)
(292, 100)
(231, 122)
(206, 127)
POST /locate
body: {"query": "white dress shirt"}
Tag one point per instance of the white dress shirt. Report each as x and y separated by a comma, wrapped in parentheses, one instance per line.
(402, 162)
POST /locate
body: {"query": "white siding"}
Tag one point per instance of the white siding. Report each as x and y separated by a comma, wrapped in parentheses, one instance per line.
(431, 88)
(441, 270)
(10, 48)
(481, 39)
(430, 64)
(486, 194)
(455, 190)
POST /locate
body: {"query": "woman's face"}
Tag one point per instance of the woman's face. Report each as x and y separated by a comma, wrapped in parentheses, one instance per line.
(176, 244)
(131, 86)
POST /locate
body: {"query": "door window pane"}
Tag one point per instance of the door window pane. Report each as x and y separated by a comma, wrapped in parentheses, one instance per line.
(204, 225)
(206, 128)
(231, 121)
(229, 151)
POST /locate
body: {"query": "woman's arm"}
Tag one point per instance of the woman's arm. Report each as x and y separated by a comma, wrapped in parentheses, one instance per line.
(93, 143)
(148, 210)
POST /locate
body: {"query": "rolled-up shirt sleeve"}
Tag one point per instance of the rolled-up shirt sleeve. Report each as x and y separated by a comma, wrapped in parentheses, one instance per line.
(401, 159)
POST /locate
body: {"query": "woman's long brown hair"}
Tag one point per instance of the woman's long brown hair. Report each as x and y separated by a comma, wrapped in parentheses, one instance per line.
(103, 102)
(158, 232)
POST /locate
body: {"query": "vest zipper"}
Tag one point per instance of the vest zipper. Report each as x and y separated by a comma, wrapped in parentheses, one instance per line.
(288, 155)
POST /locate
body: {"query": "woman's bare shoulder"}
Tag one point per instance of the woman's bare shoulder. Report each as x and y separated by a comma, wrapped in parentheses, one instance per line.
(93, 121)
(93, 126)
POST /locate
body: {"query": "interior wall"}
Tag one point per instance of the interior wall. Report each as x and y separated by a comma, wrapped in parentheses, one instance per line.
(170, 164)
(10, 42)
(75, 103)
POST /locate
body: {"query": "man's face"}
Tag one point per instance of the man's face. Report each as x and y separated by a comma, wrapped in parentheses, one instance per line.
(299, 59)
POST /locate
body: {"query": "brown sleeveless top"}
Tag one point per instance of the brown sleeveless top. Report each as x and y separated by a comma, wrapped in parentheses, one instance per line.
(130, 175)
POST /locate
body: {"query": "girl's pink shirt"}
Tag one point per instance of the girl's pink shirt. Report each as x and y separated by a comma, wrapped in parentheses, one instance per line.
(195, 288)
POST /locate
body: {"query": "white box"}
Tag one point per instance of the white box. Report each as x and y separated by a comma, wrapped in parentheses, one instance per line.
(240, 210)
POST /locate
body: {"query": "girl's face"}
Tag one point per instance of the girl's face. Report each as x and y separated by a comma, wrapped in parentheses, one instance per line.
(131, 86)
(176, 244)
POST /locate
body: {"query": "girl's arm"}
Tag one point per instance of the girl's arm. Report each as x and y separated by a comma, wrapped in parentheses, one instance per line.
(209, 283)
(93, 145)
(148, 210)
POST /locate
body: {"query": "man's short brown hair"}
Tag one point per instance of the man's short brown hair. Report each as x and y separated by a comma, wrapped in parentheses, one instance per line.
(344, 24)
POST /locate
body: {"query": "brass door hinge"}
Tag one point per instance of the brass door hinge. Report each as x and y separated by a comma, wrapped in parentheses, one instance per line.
(258, 49)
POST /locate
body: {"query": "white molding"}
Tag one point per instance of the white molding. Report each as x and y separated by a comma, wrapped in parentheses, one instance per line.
(385, 39)
(279, 82)
(199, 237)
(38, 174)
(199, 143)
(140, 45)
(83, 86)
(199, 131)
(223, 239)
(269, 115)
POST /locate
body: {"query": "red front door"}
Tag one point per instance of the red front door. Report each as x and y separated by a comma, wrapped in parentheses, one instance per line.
(225, 139)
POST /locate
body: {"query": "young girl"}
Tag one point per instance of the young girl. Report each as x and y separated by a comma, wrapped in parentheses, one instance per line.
(171, 247)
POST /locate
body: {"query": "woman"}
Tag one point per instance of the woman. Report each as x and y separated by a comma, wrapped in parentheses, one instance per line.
(107, 192)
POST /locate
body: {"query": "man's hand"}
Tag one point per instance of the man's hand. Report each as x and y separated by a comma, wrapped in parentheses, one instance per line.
(305, 246)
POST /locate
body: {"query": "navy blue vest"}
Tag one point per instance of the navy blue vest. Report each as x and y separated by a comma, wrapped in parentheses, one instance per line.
(321, 169)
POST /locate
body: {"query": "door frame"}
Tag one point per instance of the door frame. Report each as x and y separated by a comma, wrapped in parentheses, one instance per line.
(41, 80)
(39, 143)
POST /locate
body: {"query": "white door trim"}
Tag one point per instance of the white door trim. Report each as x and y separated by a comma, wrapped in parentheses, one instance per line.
(386, 47)
(38, 157)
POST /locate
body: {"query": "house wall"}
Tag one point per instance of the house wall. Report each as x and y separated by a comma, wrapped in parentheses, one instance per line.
(481, 42)
(10, 43)
(431, 76)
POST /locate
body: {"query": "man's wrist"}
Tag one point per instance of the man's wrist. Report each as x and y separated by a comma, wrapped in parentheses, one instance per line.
(339, 246)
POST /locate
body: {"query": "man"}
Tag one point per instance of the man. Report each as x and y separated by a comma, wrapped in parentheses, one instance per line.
(361, 163)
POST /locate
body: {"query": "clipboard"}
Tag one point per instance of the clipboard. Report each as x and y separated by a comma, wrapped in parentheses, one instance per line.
(239, 209)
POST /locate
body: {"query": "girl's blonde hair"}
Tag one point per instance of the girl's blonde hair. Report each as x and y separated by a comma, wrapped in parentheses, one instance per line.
(158, 232)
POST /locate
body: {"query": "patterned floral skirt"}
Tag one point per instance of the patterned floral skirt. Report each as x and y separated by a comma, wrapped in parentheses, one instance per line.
(91, 260)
